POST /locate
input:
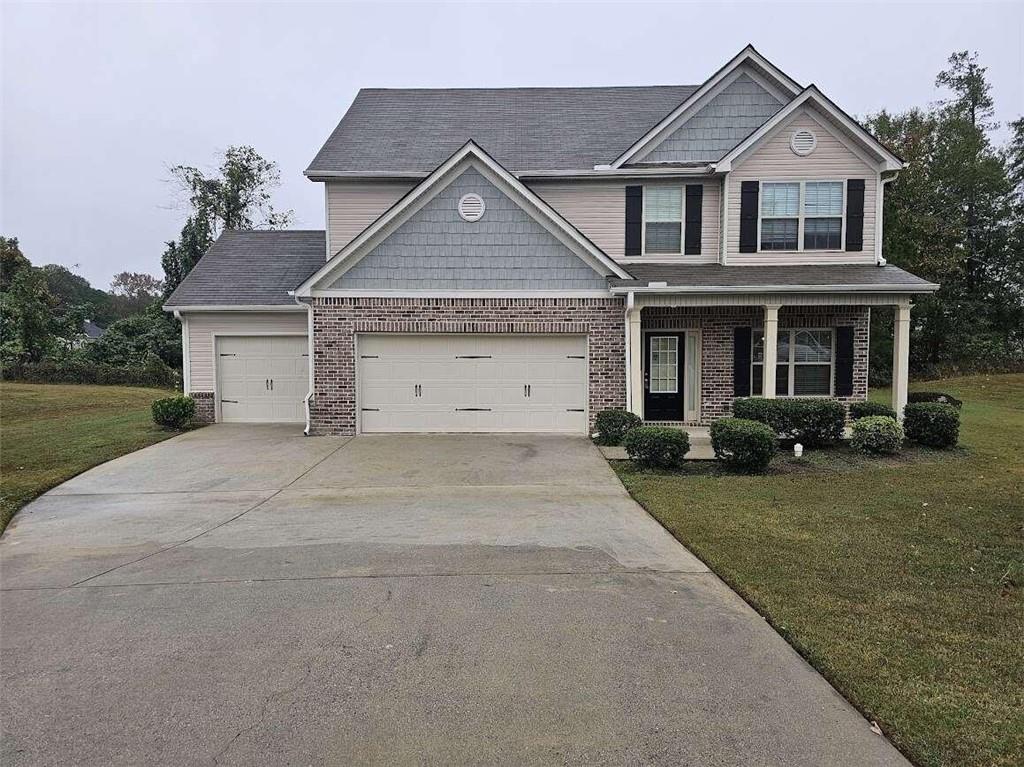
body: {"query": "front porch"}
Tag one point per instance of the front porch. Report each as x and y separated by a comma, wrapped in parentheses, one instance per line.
(688, 356)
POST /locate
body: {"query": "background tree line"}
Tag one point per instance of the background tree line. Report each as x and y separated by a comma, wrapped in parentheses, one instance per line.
(43, 309)
(955, 216)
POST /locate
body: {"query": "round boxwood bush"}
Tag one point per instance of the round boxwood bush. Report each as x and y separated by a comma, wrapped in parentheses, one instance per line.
(611, 426)
(934, 396)
(656, 447)
(876, 434)
(743, 444)
(934, 424)
(864, 409)
(174, 412)
(814, 422)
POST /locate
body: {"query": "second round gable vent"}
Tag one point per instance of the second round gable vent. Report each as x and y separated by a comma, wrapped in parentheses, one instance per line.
(471, 207)
(803, 142)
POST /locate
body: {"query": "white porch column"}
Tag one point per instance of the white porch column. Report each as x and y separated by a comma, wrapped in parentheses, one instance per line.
(634, 364)
(900, 357)
(771, 350)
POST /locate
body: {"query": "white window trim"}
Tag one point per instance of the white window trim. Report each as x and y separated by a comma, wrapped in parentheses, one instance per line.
(682, 221)
(800, 217)
(792, 363)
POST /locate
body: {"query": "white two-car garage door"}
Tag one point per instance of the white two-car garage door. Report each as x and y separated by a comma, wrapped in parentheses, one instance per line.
(472, 383)
(262, 379)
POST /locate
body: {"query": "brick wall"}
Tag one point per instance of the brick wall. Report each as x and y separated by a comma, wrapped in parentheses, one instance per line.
(337, 320)
(717, 323)
(206, 411)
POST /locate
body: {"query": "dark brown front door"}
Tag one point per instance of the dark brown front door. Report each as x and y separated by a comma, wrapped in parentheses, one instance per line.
(663, 377)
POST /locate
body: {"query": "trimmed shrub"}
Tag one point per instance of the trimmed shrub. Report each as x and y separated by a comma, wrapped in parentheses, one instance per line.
(656, 447)
(814, 422)
(174, 412)
(743, 444)
(860, 410)
(877, 434)
(934, 424)
(611, 426)
(934, 396)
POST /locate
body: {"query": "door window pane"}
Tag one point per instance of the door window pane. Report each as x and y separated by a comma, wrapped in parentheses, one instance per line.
(664, 364)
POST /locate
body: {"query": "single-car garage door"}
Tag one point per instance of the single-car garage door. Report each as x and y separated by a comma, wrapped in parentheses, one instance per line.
(472, 383)
(262, 379)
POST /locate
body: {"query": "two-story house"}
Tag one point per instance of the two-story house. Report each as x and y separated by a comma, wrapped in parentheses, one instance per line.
(519, 259)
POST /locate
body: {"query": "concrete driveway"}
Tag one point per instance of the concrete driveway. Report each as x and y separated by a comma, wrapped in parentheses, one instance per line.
(246, 595)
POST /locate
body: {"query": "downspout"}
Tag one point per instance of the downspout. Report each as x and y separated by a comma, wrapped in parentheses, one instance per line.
(186, 362)
(879, 217)
(629, 353)
(309, 342)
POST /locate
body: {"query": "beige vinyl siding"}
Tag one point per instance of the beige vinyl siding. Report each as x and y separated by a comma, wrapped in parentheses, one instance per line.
(354, 205)
(773, 160)
(203, 325)
(598, 210)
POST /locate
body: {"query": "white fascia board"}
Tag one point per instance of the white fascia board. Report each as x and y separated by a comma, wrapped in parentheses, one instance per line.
(690, 289)
(408, 293)
(812, 96)
(469, 154)
(233, 308)
(747, 55)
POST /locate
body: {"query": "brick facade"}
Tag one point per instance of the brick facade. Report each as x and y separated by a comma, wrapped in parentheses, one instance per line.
(206, 411)
(717, 324)
(336, 321)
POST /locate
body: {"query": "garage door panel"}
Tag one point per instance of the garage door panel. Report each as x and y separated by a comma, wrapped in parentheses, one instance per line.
(473, 383)
(262, 379)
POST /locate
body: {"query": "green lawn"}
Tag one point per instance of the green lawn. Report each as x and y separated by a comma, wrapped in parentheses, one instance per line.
(50, 433)
(902, 581)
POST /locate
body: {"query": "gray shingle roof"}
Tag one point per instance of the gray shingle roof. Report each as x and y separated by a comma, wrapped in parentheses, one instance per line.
(713, 275)
(525, 129)
(252, 268)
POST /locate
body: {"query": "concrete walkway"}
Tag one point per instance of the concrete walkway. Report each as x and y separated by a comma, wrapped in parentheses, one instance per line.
(246, 595)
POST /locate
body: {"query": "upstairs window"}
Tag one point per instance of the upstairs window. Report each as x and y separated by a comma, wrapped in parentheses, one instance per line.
(802, 215)
(663, 220)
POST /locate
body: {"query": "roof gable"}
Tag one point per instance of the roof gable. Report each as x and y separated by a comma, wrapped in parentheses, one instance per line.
(468, 157)
(814, 101)
(436, 249)
(740, 107)
(771, 77)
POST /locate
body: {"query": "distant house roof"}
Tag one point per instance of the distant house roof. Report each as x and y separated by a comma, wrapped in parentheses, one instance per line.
(252, 268)
(91, 330)
(413, 130)
(710, 278)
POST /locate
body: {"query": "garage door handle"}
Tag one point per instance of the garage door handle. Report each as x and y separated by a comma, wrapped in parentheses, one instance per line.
(271, 384)
(472, 356)
(232, 401)
(266, 384)
(576, 356)
(575, 410)
(474, 409)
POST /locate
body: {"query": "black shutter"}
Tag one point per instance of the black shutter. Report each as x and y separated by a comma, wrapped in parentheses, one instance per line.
(855, 214)
(694, 218)
(748, 216)
(844, 361)
(634, 219)
(741, 362)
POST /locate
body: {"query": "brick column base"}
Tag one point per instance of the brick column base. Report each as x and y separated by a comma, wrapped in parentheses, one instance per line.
(206, 412)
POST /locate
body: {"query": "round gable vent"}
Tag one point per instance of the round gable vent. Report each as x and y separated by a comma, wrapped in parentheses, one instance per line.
(471, 207)
(803, 142)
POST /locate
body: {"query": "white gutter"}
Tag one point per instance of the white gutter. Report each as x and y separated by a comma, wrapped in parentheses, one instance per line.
(309, 345)
(718, 289)
(629, 373)
(230, 308)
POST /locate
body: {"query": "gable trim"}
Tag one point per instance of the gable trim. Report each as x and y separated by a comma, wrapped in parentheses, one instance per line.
(811, 96)
(470, 155)
(721, 78)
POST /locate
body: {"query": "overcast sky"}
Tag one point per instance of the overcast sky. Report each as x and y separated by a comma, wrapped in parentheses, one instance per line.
(99, 99)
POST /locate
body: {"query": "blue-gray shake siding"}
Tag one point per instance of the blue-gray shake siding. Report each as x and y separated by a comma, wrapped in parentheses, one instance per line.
(732, 115)
(505, 250)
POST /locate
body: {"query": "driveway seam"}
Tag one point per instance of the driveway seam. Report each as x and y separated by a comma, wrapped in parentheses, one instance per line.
(371, 576)
(219, 524)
